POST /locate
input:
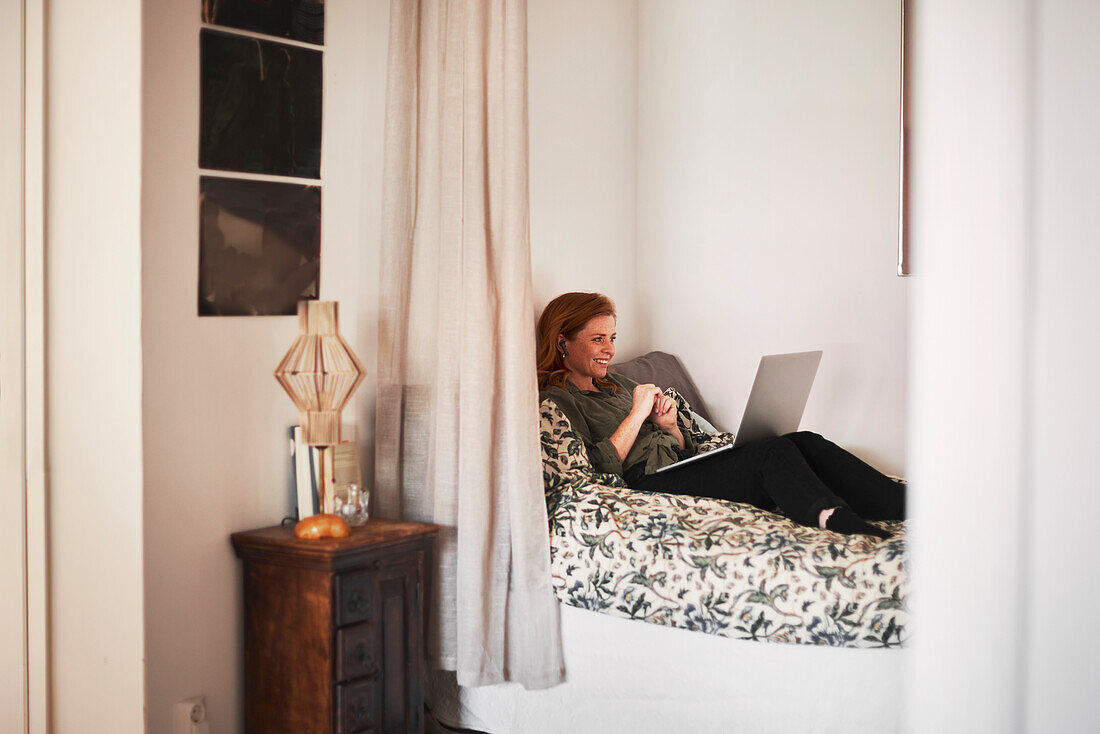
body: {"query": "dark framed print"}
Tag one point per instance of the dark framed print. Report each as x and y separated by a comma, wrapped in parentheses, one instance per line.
(259, 246)
(260, 106)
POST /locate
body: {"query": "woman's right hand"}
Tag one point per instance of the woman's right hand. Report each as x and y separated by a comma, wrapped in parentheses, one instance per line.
(644, 395)
(624, 436)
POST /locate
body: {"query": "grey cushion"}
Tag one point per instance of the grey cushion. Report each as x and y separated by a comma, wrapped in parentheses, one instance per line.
(664, 370)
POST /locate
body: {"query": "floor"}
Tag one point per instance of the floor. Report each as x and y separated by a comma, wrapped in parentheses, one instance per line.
(433, 726)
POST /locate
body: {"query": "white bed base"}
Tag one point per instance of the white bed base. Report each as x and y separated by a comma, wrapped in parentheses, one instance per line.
(629, 677)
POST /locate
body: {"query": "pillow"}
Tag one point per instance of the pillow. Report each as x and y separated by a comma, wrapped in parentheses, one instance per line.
(564, 457)
(703, 423)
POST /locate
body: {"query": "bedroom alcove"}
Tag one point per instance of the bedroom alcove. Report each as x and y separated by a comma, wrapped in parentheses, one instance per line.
(728, 173)
(985, 382)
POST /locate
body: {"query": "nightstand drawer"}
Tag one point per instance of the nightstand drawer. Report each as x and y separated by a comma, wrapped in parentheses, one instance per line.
(355, 653)
(354, 597)
(356, 706)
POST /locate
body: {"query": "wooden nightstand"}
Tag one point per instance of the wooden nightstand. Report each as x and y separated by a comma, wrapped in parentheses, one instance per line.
(334, 629)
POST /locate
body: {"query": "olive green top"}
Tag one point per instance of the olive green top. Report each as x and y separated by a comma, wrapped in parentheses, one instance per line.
(596, 414)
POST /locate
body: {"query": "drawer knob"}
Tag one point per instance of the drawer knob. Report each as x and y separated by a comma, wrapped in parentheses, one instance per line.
(357, 603)
(360, 653)
(360, 710)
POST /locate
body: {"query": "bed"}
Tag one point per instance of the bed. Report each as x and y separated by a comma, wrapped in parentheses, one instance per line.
(694, 614)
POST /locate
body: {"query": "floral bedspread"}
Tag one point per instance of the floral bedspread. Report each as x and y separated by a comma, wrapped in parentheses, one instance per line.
(724, 568)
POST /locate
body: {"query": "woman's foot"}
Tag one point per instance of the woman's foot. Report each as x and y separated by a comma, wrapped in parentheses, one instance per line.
(843, 520)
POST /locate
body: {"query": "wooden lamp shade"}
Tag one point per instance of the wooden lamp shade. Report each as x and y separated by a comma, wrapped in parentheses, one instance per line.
(320, 372)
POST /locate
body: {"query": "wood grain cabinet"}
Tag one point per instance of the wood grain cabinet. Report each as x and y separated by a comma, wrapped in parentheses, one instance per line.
(334, 629)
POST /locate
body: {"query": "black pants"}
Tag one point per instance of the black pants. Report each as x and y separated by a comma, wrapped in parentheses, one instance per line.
(800, 473)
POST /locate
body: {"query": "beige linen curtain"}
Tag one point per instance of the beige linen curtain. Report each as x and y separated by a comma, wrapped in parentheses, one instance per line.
(457, 425)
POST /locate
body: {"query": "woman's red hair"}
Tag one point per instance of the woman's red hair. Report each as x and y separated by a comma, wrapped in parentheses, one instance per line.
(566, 315)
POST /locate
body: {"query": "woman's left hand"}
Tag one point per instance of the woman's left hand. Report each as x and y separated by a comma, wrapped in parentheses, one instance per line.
(664, 417)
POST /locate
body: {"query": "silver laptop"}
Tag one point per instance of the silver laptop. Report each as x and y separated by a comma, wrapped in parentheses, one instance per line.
(776, 403)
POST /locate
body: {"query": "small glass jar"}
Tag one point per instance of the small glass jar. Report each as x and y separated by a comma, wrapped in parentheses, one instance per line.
(352, 506)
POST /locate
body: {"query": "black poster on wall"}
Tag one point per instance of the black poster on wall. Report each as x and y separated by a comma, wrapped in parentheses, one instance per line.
(259, 246)
(260, 106)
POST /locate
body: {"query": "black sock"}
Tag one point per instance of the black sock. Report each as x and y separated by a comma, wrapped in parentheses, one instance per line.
(844, 520)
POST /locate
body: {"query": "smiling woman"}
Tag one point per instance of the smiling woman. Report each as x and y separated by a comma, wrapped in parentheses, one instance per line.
(592, 349)
(634, 430)
(559, 328)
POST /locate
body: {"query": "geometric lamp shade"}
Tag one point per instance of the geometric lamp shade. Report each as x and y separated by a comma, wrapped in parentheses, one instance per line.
(320, 372)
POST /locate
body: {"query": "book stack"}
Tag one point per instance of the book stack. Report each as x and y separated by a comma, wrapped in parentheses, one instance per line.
(307, 469)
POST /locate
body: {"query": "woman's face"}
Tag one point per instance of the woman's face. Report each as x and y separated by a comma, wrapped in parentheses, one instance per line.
(590, 351)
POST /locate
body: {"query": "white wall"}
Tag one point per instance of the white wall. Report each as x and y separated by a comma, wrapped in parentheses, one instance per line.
(1063, 460)
(969, 221)
(1005, 360)
(94, 365)
(583, 93)
(216, 453)
(767, 204)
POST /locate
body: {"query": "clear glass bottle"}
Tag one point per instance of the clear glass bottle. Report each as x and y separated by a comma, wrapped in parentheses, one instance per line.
(353, 505)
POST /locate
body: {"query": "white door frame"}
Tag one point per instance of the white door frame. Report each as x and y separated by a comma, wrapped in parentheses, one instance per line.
(13, 607)
(34, 298)
(22, 368)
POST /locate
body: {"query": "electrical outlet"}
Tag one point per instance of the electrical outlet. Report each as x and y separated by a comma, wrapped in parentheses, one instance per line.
(189, 716)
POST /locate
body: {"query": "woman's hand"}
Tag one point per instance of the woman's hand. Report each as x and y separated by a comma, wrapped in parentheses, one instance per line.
(627, 432)
(644, 398)
(663, 414)
(664, 417)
